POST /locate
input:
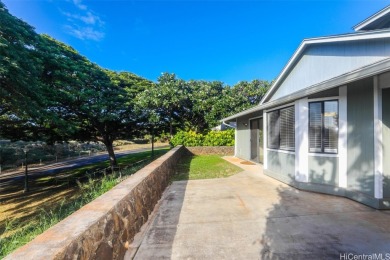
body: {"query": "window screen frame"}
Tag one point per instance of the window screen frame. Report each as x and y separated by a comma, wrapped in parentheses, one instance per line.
(322, 150)
(279, 127)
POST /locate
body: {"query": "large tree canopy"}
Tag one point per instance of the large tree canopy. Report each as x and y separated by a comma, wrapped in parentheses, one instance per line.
(49, 92)
(168, 98)
(20, 65)
(98, 103)
(197, 104)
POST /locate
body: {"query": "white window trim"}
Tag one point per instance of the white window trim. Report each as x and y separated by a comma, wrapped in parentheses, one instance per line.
(280, 151)
(301, 140)
(265, 126)
(324, 155)
(338, 104)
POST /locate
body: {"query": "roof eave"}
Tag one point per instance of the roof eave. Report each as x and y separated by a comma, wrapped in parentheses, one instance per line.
(385, 33)
(242, 113)
(371, 19)
(361, 73)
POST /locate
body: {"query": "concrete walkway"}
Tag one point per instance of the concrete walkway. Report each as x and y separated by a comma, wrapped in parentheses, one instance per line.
(252, 216)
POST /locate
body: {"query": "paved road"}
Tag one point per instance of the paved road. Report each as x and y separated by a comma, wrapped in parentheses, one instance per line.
(252, 216)
(64, 165)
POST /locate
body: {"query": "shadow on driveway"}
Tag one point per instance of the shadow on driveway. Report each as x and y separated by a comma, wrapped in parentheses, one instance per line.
(252, 216)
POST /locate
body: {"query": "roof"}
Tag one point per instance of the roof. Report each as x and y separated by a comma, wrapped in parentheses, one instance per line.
(361, 73)
(379, 20)
(378, 34)
(376, 26)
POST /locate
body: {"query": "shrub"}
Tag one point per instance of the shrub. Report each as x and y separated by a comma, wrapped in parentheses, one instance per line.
(189, 138)
(164, 137)
(219, 138)
(213, 138)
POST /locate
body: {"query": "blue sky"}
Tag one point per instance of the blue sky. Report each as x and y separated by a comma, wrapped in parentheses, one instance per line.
(210, 40)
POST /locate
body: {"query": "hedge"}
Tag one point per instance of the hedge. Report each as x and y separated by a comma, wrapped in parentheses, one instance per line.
(213, 138)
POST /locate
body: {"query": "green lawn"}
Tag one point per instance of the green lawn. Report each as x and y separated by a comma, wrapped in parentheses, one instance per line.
(204, 167)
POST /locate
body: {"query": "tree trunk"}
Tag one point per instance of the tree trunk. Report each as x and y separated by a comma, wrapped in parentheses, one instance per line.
(170, 127)
(110, 149)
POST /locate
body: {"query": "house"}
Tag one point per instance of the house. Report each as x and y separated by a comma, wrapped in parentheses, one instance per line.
(324, 125)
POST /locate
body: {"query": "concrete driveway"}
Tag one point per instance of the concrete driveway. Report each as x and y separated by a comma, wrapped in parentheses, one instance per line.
(252, 216)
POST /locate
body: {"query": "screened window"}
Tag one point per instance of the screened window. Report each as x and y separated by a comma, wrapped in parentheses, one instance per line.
(323, 127)
(281, 129)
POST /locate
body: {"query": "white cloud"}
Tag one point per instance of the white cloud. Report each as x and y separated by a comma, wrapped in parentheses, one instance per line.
(88, 18)
(91, 19)
(84, 23)
(85, 33)
(79, 5)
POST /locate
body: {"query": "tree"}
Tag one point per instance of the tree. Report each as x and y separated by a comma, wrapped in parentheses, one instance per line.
(96, 104)
(168, 98)
(20, 68)
(19, 65)
(241, 96)
(23, 110)
(50, 92)
(203, 96)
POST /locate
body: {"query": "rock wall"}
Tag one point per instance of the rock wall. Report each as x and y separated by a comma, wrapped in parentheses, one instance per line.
(204, 150)
(104, 228)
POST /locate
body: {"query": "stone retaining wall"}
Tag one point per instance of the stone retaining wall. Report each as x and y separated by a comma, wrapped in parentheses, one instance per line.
(205, 150)
(104, 228)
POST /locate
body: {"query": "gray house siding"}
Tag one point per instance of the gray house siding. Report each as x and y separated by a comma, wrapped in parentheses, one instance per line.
(360, 143)
(281, 166)
(324, 170)
(243, 136)
(326, 61)
(242, 139)
(386, 141)
(355, 70)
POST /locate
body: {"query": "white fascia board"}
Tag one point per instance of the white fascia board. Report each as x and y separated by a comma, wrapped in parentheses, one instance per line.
(243, 113)
(329, 39)
(372, 18)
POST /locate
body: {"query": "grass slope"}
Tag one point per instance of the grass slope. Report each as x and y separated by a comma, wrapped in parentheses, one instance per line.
(24, 216)
(204, 167)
